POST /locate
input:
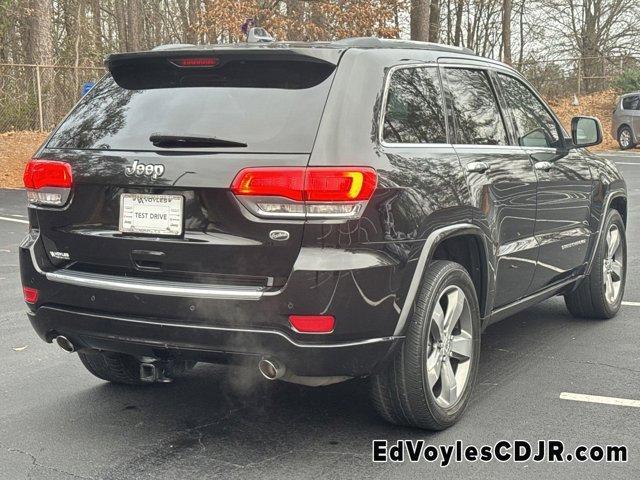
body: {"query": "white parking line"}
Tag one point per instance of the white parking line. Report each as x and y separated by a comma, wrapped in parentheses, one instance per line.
(579, 397)
(627, 163)
(17, 220)
(632, 304)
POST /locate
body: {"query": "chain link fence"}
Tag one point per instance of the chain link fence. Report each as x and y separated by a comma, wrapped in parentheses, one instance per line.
(563, 77)
(37, 97)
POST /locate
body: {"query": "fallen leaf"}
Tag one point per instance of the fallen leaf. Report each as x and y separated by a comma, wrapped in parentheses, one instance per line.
(19, 349)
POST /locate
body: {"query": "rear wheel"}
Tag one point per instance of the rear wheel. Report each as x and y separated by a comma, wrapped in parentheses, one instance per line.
(625, 138)
(599, 295)
(429, 381)
(113, 367)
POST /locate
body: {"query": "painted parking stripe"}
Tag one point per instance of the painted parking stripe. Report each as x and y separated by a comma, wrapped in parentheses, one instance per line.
(632, 304)
(579, 397)
(17, 220)
(627, 163)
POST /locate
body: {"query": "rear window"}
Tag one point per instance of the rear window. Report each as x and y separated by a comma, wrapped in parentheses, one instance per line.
(414, 112)
(270, 107)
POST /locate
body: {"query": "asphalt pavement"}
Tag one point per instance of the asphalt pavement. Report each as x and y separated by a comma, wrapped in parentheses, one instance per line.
(59, 422)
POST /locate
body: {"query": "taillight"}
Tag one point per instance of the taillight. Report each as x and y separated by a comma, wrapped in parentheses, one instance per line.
(312, 323)
(299, 192)
(48, 182)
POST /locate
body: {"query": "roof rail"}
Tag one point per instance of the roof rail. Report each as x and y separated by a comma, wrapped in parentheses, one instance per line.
(172, 46)
(376, 42)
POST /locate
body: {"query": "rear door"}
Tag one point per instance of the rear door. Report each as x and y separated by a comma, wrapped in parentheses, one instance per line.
(564, 185)
(164, 135)
(500, 176)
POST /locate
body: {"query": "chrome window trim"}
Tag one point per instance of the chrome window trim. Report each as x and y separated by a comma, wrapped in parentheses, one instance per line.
(383, 109)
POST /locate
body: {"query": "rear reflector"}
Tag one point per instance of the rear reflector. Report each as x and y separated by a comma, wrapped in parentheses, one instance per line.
(30, 294)
(305, 192)
(48, 182)
(312, 323)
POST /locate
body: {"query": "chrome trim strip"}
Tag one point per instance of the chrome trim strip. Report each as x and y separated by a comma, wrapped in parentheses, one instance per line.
(154, 287)
(243, 330)
(427, 249)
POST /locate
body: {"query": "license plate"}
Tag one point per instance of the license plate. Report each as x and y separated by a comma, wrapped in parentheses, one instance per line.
(151, 214)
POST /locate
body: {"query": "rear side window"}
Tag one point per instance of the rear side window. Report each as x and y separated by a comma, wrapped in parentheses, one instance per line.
(270, 108)
(475, 109)
(535, 127)
(414, 111)
(631, 102)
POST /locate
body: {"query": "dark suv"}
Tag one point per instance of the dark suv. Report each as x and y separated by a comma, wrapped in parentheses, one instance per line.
(320, 211)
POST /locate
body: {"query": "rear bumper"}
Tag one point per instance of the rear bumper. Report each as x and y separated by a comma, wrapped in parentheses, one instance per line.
(217, 325)
(154, 338)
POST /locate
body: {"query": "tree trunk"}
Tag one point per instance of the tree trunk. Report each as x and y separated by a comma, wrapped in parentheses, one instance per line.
(457, 39)
(96, 27)
(420, 11)
(296, 13)
(135, 25)
(121, 26)
(506, 31)
(434, 21)
(39, 45)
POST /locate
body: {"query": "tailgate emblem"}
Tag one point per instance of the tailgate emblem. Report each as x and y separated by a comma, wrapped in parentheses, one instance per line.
(148, 170)
(279, 235)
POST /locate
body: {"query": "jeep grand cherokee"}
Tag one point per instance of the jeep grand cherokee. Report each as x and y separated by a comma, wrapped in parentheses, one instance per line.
(320, 211)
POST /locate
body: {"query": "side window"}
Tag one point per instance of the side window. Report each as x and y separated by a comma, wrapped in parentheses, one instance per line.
(535, 127)
(475, 108)
(414, 111)
(631, 102)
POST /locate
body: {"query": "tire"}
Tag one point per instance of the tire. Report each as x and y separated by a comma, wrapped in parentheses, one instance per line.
(113, 367)
(404, 393)
(590, 299)
(625, 138)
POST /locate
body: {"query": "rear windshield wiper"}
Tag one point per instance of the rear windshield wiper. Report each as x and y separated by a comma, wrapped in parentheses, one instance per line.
(191, 141)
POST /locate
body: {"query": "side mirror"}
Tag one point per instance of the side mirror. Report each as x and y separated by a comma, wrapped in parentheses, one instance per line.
(585, 131)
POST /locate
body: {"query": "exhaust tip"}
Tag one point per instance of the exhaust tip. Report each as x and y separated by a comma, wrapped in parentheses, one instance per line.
(65, 344)
(271, 369)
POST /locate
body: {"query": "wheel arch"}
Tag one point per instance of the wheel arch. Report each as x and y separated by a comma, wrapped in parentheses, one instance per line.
(619, 203)
(616, 200)
(469, 250)
(464, 243)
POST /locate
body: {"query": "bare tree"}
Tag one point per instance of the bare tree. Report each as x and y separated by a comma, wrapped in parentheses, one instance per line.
(592, 30)
(506, 31)
(434, 21)
(39, 42)
(420, 22)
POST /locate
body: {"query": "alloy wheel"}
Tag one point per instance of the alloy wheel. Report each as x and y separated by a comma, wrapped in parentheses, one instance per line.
(625, 138)
(450, 347)
(613, 265)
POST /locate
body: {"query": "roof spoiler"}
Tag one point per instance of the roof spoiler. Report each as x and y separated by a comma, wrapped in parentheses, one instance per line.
(197, 67)
(263, 52)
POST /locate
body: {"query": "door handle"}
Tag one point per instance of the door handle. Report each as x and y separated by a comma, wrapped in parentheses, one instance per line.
(546, 166)
(477, 167)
